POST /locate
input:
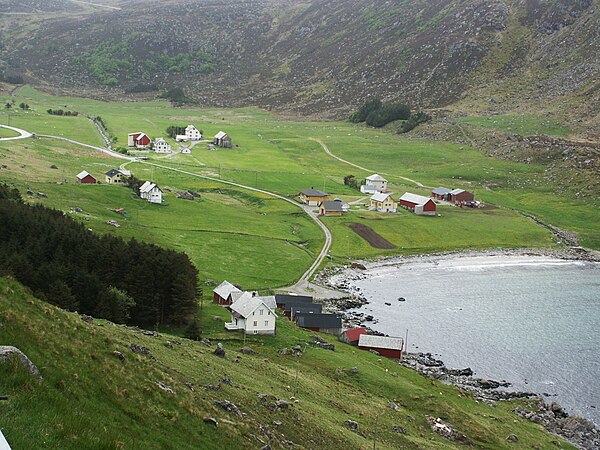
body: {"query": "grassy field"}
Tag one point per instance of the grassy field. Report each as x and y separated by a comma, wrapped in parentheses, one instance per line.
(90, 399)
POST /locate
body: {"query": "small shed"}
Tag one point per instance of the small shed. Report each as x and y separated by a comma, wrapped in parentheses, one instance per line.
(441, 193)
(85, 178)
(222, 139)
(419, 204)
(313, 197)
(352, 335)
(331, 208)
(222, 294)
(324, 323)
(389, 347)
(458, 196)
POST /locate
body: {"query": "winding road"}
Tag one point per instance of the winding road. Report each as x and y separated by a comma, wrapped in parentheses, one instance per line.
(22, 133)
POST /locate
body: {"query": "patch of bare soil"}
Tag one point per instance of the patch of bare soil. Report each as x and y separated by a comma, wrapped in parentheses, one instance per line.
(369, 235)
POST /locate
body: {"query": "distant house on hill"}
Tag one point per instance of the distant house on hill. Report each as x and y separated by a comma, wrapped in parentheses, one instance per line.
(222, 294)
(374, 183)
(313, 197)
(85, 178)
(138, 140)
(389, 347)
(192, 133)
(440, 193)
(324, 323)
(420, 205)
(253, 315)
(186, 151)
(150, 192)
(383, 202)
(460, 196)
(331, 208)
(222, 139)
(114, 176)
(161, 146)
(352, 335)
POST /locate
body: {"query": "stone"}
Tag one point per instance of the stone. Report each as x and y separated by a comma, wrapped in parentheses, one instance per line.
(318, 339)
(87, 319)
(248, 351)
(119, 355)
(512, 438)
(277, 423)
(211, 421)
(282, 404)
(353, 370)
(136, 348)
(165, 388)
(393, 406)
(351, 425)
(8, 352)
(228, 406)
(297, 348)
(358, 266)
(219, 351)
(265, 447)
(398, 429)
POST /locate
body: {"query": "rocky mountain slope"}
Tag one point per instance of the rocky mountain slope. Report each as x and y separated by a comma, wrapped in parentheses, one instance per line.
(316, 56)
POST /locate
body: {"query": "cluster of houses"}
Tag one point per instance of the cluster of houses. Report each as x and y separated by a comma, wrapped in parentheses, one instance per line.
(149, 191)
(455, 196)
(141, 141)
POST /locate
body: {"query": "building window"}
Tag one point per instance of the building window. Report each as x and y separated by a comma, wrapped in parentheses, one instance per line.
(266, 323)
(262, 311)
(255, 323)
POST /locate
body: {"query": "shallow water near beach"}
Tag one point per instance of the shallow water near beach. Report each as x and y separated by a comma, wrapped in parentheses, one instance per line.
(532, 321)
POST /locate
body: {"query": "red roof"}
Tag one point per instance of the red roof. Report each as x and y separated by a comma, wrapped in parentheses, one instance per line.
(354, 333)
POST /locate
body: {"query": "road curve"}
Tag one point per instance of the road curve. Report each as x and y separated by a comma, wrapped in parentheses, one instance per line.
(22, 133)
(364, 168)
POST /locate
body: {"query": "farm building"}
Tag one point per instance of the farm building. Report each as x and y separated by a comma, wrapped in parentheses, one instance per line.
(441, 193)
(313, 197)
(374, 183)
(352, 335)
(292, 309)
(222, 139)
(222, 294)
(85, 178)
(331, 208)
(389, 347)
(420, 205)
(138, 140)
(192, 133)
(161, 146)
(282, 300)
(460, 196)
(150, 192)
(324, 323)
(383, 202)
(114, 176)
(253, 315)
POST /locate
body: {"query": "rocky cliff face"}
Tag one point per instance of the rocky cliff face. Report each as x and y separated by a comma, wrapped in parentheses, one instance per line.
(320, 56)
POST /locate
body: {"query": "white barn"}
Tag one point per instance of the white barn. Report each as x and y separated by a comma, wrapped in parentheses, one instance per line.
(192, 133)
(150, 192)
(253, 314)
(161, 146)
(374, 183)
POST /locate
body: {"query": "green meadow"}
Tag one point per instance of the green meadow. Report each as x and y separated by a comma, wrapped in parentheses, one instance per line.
(256, 240)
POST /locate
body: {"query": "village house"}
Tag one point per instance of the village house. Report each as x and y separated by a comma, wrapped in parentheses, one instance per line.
(161, 146)
(420, 205)
(383, 202)
(440, 193)
(331, 208)
(222, 294)
(150, 192)
(324, 323)
(282, 300)
(138, 140)
(222, 139)
(374, 183)
(192, 133)
(352, 335)
(114, 176)
(459, 196)
(390, 347)
(85, 178)
(252, 314)
(313, 197)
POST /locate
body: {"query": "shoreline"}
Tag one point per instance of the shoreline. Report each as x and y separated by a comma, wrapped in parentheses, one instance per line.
(581, 432)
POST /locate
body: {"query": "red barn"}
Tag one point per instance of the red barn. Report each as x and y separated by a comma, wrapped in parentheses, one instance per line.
(85, 178)
(226, 293)
(420, 205)
(352, 335)
(389, 347)
(138, 140)
(461, 196)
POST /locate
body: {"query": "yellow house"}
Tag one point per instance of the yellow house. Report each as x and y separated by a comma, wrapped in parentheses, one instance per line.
(113, 176)
(313, 197)
(383, 202)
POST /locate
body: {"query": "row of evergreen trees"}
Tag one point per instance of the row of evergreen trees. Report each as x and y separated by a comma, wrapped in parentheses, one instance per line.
(375, 113)
(64, 263)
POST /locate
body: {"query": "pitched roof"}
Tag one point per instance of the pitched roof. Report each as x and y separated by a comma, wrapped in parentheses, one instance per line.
(299, 308)
(380, 197)
(248, 303)
(225, 289)
(457, 191)
(376, 177)
(135, 134)
(392, 343)
(414, 198)
(313, 320)
(440, 191)
(289, 298)
(220, 135)
(148, 186)
(113, 172)
(192, 127)
(354, 333)
(332, 206)
(159, 141)
(270, 302)
(314, 193)
(82, 175)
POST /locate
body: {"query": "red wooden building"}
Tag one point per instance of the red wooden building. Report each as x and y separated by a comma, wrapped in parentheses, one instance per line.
(352, 335)
(420, 205)
(226, 293)
(85, 178)
(389, 347)
(138, 140)
(461, 196)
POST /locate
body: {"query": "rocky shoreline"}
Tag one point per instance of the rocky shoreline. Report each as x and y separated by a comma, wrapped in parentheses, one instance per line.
(579, 431)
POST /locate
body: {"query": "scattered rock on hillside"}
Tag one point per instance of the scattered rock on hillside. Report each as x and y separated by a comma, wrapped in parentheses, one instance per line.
(445, 430)
(87, 319)
(164, 387)
(119, 355)
(358, 266)
(248, 351)
(393, 406)
(351, 425)
(228, 406)
(512, 438)
(398, 429)
(8, 352)
(211, 421)
(219, 351)
(136, 348)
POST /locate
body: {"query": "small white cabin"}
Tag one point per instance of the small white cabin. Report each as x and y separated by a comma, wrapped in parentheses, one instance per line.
(150, 192)
(161, 146)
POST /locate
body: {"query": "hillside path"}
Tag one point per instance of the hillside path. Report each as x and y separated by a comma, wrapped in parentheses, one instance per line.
(22, 133)
(418, 183)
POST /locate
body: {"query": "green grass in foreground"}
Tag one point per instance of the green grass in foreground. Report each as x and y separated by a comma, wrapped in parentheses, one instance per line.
(524, 125)
(90, 399)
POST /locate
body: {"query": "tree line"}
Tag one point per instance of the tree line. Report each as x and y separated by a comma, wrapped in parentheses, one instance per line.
(69, 266)
(61, 112)
(375, 113)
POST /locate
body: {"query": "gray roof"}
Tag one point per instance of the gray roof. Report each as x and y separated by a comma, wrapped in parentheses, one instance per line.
(225, 289)
(457, 191)
(314, 320)
(332, 206)
(414, 198)
(369, 340)
(113, 172)
(82, 175)
(310, 308)
(376, 177)
(380, 197)
(248, 303)
(314, 193)
(288, 298)
(440, 191)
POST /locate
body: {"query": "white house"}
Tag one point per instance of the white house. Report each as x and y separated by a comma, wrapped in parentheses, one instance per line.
(150, 192)
(181, 138)
(383, 202)
(186, 151)
(253, 314)
(192, 133)
(374, 183)
(162, 146)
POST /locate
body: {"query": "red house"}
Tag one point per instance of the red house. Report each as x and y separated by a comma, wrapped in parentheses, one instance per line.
(352, 335)
(85, 178)
(226, 293)
(138, 140)
(461, 196)
(389, 347)
(420, 205)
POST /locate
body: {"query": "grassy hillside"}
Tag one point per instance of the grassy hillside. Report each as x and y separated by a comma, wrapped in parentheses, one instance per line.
(90, 399)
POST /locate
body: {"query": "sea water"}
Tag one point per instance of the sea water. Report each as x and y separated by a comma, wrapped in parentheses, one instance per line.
(532, 321)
